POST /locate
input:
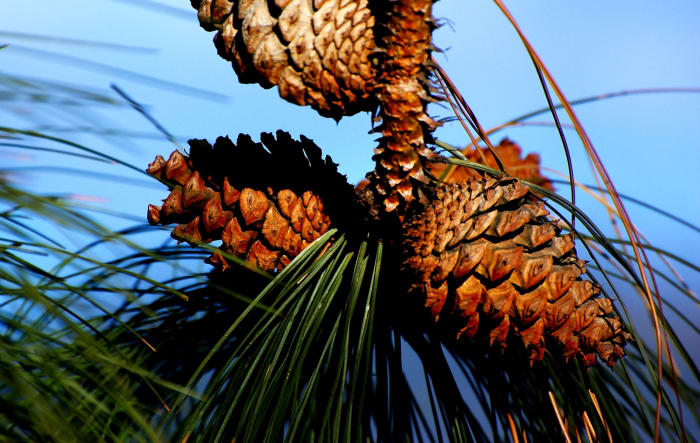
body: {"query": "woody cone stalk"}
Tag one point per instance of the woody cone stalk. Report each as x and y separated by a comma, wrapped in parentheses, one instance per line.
(403, 94)
(480, 252)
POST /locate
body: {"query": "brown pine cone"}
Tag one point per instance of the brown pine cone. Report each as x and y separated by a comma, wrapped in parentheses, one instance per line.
(316, 52)
(489, 262)
(510, 154)
(265, 205)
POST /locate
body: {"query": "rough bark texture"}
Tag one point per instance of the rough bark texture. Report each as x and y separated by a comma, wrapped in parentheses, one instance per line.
(265, 206)
(487, 261)
(316, 52)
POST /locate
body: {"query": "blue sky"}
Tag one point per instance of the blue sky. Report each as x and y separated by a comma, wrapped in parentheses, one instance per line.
(649, 143)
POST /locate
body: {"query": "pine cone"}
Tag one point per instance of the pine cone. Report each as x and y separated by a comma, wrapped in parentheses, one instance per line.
(487, 261)
(266, 208)
(316, 52)
(510, 154)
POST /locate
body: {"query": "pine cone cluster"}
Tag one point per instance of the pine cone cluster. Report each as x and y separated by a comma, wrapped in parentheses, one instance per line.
(316, 52)
(341, 57)
(480, 253)
(509, 153)
(488, 261)
(483, 257)
(265, 206)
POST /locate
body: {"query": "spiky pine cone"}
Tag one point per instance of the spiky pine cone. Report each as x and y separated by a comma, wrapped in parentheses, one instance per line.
(316, 52)
(265, 205)
(526, 168)
(488, 262)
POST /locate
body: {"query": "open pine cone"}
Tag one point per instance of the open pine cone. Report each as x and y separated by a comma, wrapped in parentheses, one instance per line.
(265, 205)
(481, 255)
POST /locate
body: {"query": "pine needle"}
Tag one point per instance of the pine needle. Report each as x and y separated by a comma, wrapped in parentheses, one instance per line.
(561, 422)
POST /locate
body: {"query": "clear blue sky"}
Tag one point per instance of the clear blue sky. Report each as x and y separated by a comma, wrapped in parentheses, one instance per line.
(650, 143)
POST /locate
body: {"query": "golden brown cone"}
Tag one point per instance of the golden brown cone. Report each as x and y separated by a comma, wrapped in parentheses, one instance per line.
(488, 262)
(525, 168)
(316, 52)
(264, 208)
(404, 36)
